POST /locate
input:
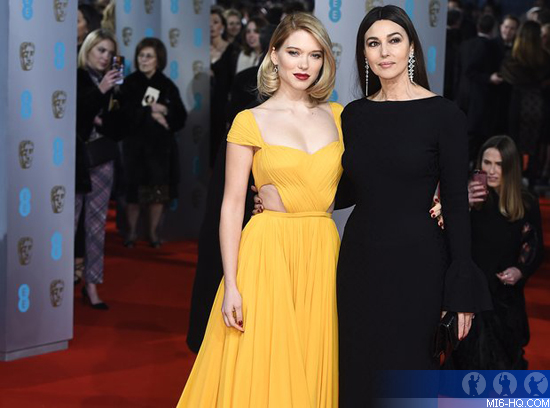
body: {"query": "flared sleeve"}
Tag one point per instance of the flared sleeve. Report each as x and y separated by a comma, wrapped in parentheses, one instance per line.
(244, 130)
(465, 287)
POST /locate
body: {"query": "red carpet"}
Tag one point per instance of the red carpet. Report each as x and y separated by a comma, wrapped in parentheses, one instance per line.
(134, 355)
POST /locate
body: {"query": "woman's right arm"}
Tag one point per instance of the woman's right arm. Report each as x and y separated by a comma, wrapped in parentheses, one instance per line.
(345, 194)
(90, 98)
(237, 171)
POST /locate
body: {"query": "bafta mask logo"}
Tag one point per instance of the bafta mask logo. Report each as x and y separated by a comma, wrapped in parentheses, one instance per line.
(57, 196)
(127, 35)
(174, 35)
(198, 67)
(26, 55)
(149, 4)
(370, 4)
(24, 249)
(56, 292)
(197, 6)
(59, 102)
(60, 9)
(434, 8)
(197, 133)
(337, 52)
(26, 150)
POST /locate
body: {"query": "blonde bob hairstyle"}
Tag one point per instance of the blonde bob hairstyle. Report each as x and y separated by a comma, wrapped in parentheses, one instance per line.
(268, 79)
(94, 38)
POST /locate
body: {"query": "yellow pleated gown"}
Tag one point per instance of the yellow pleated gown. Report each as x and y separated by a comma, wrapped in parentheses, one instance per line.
(287, 356)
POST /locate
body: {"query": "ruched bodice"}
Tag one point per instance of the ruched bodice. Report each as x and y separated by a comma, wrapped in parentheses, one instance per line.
(305, 182)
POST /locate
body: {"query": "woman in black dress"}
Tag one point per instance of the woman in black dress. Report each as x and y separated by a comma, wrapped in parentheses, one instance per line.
(398, 271)
(507, 245)
(153, 104)
(527, 70)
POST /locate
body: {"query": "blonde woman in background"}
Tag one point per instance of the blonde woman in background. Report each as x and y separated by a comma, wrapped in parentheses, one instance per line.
(95, 152)
(234, 25)
(275, 342)
(109, 17)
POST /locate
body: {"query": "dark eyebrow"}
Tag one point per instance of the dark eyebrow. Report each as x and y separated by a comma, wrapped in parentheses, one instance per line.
(389, 35)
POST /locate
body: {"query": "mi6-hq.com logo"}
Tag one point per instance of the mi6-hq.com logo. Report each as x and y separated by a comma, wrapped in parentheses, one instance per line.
(474, 384)
(506, 385)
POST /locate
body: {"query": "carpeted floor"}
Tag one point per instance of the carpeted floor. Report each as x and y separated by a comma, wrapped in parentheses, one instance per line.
(134, 355)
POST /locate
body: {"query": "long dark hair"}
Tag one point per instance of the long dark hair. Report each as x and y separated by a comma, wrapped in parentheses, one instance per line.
(511, 197)
(399, 17)
(260, 23)
(528, 44)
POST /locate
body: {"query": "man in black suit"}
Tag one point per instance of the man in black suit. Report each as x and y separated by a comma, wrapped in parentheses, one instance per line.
(508, 29)
(477, 72)
(505, 41)
(452, 50)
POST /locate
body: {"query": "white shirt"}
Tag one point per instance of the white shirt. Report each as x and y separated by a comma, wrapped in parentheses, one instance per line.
(247, 61)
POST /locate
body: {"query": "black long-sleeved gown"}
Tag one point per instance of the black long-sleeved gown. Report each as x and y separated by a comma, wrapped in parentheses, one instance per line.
(397, 269)
(498, 337)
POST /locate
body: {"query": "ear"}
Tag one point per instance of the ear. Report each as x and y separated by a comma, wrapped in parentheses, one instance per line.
(274, 56)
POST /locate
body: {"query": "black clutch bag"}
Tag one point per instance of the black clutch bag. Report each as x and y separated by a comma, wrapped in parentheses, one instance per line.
(446, 337)
(100, 151)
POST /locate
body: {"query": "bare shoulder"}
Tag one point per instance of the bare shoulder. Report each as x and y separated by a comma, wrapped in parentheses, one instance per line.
(325, 108)
(263, 109)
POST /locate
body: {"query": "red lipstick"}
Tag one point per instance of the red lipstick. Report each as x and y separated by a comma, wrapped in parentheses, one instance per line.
(302, 77)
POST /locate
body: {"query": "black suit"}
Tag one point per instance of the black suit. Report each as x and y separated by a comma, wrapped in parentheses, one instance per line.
(452, 54)
(503, 92)
(479, 58)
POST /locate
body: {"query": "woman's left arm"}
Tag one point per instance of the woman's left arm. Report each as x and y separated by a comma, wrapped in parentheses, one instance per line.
(532, 245)
(465, 288)
(531, 250)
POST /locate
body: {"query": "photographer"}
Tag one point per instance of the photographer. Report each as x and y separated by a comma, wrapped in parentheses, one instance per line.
(507, 245)
(96, 124)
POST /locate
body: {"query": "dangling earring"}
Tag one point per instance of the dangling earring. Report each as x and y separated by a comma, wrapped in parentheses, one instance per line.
(276, 70)
(366, 77)
(411, 66)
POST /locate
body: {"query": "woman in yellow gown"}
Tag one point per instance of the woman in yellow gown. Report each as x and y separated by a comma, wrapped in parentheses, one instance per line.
(275, 343)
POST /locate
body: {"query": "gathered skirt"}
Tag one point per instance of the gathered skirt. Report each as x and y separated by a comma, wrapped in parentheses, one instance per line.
(288, 353)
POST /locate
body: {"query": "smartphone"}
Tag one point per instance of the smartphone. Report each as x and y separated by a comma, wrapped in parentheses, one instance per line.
(118, 64)
(481, 177)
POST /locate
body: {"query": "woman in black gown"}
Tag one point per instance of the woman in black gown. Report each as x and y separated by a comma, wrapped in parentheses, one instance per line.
(397, 270)
(507, 245)
(151, 152)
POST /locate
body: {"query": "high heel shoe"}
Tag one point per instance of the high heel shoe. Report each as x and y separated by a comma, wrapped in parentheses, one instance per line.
(155, 244)
(97, 306)
(130, 241)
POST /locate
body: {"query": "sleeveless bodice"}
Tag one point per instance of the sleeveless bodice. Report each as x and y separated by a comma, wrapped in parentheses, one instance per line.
(305, 182)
